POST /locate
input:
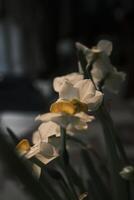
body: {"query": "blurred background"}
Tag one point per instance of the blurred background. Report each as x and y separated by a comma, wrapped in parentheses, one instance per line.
(37, 43)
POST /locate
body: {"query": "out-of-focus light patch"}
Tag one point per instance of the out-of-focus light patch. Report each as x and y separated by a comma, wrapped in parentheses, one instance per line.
(44, 86)
(19, 122)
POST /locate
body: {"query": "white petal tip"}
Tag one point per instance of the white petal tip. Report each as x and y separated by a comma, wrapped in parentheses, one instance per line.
(37, 118)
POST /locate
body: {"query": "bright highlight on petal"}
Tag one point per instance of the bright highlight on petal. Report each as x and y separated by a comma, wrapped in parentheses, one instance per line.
(36, 170)
(46, 130)
(72, 78)
(77, 121)
(86, 89)
(68, 91)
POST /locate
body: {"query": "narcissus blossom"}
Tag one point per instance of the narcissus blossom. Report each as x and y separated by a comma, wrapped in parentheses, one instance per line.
(101, 69)
(82, 93)
(42, 151)
(76, 98)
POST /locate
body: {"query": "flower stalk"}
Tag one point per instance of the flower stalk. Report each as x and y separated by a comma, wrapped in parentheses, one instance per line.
(119, 186)
(113, 144)
(65, 164)
(64, 153)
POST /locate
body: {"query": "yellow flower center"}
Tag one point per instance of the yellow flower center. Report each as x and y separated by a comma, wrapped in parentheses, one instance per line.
(69, 107)
(96, 50)
(23, 146)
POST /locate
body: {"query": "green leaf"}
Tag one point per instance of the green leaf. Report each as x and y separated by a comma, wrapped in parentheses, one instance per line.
(98, 184)
(119, 186)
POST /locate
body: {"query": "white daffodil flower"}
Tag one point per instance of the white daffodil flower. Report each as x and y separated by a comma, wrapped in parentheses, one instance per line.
(101, 68)
(81, 93)
(41, 151)
(76, 98)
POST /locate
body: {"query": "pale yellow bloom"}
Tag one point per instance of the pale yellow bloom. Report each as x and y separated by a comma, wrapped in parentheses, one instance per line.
(101, 67)
(83, 91)
(42, 151)
(76, 98)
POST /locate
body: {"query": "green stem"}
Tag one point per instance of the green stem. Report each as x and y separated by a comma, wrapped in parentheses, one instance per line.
(97, 182)
(64, 153)
(65, 162)
(112, 143)
(116, 137)
(109, 120)
(118, 184)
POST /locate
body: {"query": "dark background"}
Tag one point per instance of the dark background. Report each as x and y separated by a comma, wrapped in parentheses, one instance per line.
(37, 42)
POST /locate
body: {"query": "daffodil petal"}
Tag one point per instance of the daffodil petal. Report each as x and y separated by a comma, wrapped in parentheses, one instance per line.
(85, 117)
(36, 170)
(68, 91)
(45, 131)
(89, 53)
(98, 73)
(43, 159)
(101, 68)
(48, 117)
(65, 120)
(72, 78)
(95, 101)
(95, 51)
(33, 151)
(106, 46)
(36, 138)
(86, 89)
(47, 150)
(46, 153)
(58, 118)
(114, 81)
(82, 125)
(83, 48)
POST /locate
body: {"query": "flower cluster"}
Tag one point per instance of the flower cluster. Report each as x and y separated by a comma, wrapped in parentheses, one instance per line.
(78, 96)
